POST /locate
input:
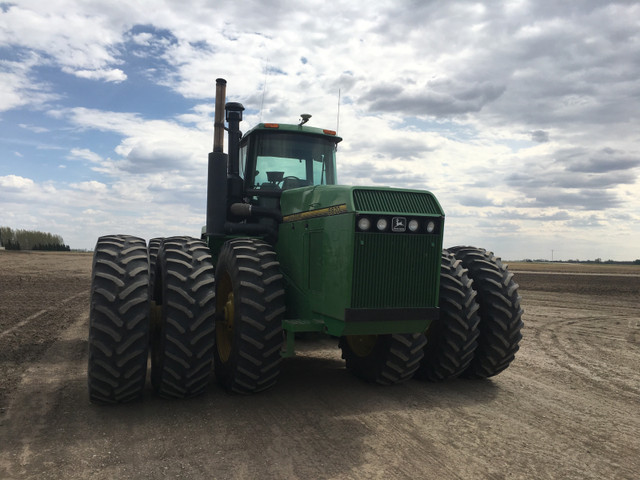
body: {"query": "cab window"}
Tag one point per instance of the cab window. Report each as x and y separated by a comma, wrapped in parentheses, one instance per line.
(288, 160)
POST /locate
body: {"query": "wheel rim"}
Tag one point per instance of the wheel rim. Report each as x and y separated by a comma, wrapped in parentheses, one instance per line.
(362, 345)
(225, 319)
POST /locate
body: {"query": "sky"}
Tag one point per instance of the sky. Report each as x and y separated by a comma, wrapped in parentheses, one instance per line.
(521, 117)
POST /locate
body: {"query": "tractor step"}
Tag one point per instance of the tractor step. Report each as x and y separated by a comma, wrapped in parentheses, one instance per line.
(291, 327)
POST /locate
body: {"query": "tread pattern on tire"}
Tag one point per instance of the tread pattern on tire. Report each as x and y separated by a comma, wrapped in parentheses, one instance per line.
(118, 320)
(182, 347)
(452, 339)
(254, 272)
(394, 359)
(154, 247)
(500, 311)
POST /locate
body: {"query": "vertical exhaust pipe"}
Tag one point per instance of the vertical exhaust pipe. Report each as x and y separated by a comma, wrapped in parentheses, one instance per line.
(218, 123)
(217, 169)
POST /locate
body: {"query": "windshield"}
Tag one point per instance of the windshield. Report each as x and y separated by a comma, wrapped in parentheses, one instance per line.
(289, 160)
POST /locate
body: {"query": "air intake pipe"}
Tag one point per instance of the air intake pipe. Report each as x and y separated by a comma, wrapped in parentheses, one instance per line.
(235, 185)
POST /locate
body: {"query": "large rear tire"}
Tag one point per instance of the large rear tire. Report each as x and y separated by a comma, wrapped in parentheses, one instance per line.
(452, 338)
(383, 359)
(118, 320)
(154, 288)
(154, 247)
(500, 312)
(249, 310)
(183, 341)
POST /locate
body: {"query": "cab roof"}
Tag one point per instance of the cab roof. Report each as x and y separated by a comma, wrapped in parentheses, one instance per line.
(283, 127)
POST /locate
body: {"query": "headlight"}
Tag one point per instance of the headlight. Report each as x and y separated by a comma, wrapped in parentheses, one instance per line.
(413, 225)
(431, 226)
(382, 224)
(364, 224)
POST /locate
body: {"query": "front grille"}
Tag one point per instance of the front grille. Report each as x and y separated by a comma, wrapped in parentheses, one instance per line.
(393, 271)
(401, 202)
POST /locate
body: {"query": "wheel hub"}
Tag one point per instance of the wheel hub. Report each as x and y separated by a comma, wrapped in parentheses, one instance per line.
(362, 345)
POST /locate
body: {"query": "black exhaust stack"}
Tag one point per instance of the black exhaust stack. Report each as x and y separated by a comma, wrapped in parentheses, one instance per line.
(217, 169)
(234, 181)
(234, 117)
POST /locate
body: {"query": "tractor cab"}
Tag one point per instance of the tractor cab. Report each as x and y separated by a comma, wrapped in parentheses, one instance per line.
(277, 157)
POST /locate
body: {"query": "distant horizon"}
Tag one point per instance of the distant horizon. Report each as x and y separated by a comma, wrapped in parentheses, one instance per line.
(520, 260)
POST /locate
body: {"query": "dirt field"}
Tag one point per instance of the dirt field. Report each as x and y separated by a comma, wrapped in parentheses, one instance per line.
(568, 407)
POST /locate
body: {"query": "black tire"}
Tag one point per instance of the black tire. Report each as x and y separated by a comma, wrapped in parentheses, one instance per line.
(500, 312)
(383, 359)
(182, 347)
(249, 310)
(118, 320)
(452, 339)
(154, 247)
(155, 316)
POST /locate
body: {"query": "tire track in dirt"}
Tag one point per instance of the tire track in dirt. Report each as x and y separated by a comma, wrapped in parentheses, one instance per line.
(36, 396)
(582, 356)
(22, 323)
(589, 338)
(28, 339)
(581, 360)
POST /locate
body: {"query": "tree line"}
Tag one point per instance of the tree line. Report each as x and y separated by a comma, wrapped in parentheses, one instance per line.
(31, 240)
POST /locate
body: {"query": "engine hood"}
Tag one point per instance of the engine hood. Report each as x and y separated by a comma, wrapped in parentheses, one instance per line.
(317, 200)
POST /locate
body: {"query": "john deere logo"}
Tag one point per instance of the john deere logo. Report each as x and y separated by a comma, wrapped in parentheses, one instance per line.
(398, 224)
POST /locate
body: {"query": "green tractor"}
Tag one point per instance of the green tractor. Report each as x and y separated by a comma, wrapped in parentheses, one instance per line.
(286, 250)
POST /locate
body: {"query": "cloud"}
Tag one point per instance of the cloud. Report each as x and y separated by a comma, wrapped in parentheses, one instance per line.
(399, 147)
(578, 177)
(480, 200)
(91, 186)
(114, 75)
(84, 154)
(437, 98)
(539, 136)
(16, 183)
(533, 215)
(33, 128)
(579, 199)
(143, 157)
(526, 110)
(602, 161)
(71, 38)
(147, 146)
(18, 88)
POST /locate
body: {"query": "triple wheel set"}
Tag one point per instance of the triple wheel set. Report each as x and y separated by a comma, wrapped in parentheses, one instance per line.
(164, 305)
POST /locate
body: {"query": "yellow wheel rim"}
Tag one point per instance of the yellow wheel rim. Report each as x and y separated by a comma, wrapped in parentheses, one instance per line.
(362, 345)
(224, 318)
